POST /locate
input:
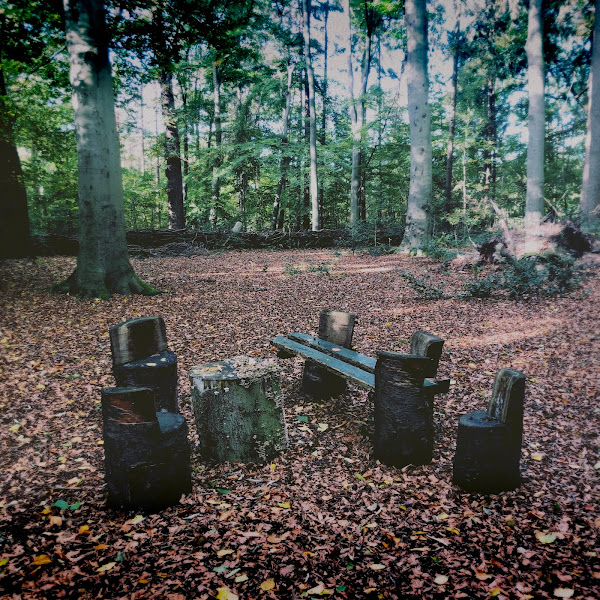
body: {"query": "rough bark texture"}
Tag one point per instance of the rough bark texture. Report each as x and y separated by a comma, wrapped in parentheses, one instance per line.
(488, 444)
(14, 224)
(403, 415)
(452, 121)
(147, 456)
(589, 203)
(417, 209)
(534, 205)
(338, 328)
(172, 153)
(103, 263)
(238, 410)
(141, 358)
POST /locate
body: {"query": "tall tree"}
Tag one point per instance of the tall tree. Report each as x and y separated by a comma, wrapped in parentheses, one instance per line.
(534, 204)
(417, 210)
(589, 203)
(103, 265)
(315, 218)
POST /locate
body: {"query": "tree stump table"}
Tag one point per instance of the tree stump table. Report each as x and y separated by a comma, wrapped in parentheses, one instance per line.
(238, 409)
(402, 410)
(141, 357)
(147, 454)
(338, 328)
(488, 444)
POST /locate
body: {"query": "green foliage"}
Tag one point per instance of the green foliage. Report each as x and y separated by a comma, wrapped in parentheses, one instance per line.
(531, 276)
(424, 290)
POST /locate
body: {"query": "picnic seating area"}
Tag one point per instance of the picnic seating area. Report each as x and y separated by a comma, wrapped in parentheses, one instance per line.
(239, 413)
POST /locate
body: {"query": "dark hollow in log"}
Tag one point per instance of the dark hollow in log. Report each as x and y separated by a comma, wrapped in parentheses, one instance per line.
(147, 455)
(402, 410)
(336, 327)
(238, 409)
(488, 444)
(141, 358)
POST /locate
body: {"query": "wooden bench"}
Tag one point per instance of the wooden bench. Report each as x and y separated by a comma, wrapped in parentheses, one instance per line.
(404, 386)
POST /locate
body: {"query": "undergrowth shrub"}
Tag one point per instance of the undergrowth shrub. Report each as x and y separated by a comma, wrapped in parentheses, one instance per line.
(424, 289)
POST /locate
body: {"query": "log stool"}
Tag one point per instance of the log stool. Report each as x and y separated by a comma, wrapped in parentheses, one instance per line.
(141, 357)
(431, 346)
(147, 454)
(336, 327)
(403, 412)
(488, 444)
(238, 410)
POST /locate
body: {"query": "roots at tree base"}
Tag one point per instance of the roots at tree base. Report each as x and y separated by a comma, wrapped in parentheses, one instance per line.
(96, 284)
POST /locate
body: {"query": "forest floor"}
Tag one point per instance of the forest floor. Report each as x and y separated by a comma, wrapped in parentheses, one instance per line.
(324, 518)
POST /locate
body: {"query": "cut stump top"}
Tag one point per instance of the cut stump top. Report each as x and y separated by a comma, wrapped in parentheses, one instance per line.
(235, 369)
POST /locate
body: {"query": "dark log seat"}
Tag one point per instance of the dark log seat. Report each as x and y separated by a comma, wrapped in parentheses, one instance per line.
(141, 357)
(147, 454)
(488, 444)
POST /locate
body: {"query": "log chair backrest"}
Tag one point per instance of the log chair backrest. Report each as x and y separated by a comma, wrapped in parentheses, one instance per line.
(406, 370)
(124, 405)
(429, 345)
(508, 396)
(137, 338)
(337, 327)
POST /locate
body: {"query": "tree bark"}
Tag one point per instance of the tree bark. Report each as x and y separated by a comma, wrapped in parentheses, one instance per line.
(312, 116)
(172, 153)
(589, 203)
(534, 204)
(416, 231)
(452, 122)
(216, 178)
(102, 263)
(14, 224)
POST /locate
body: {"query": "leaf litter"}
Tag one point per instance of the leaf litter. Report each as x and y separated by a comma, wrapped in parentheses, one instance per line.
(324, 518)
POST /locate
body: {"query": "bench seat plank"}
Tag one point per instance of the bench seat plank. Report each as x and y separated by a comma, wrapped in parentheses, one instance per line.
(366, 363)
(358, 376)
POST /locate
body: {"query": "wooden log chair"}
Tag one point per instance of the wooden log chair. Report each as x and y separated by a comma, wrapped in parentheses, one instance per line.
(147, 453)
(403, 409)
(488, 444)
(336, 327)
(238, 409)
(141, 357)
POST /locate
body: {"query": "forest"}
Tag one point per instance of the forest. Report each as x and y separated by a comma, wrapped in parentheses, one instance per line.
(288, 115)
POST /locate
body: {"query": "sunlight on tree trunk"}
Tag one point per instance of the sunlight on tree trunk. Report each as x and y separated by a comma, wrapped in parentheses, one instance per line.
(417, 211)
(103, 263)
(534, 205)
(589, 204)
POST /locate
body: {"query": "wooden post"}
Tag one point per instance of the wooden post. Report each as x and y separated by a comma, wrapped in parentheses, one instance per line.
(403, 414)
(238, 410)
(488, 444)
(141, 358)
(147, 455)
(336, 327)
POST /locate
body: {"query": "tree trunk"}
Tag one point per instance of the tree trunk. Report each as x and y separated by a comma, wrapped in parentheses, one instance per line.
(534, 204)
(589, 203)
(452, 122)
(172, 153)
(324, 112)
(355, 127)
(14, 224)
(216, 178)
(417, 210)
(285, 160)
(312, 116)
(103, 263)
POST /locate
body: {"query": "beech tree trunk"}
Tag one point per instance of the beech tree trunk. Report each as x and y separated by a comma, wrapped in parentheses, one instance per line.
(417, 210)
(589, 203)
(452, 122)
(216, 178)
(534, 204)
(14, 224)
(103, 264)
(312, 117)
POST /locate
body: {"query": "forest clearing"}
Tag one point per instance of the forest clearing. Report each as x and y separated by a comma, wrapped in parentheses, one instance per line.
(323, 518)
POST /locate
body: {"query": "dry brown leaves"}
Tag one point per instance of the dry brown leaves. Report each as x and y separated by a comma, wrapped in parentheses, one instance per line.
(324, 519)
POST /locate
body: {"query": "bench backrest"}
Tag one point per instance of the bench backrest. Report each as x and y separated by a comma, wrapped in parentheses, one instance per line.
(125, 405)
(337, 327)
(137, 338)
(429, 345)
(508, 396)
